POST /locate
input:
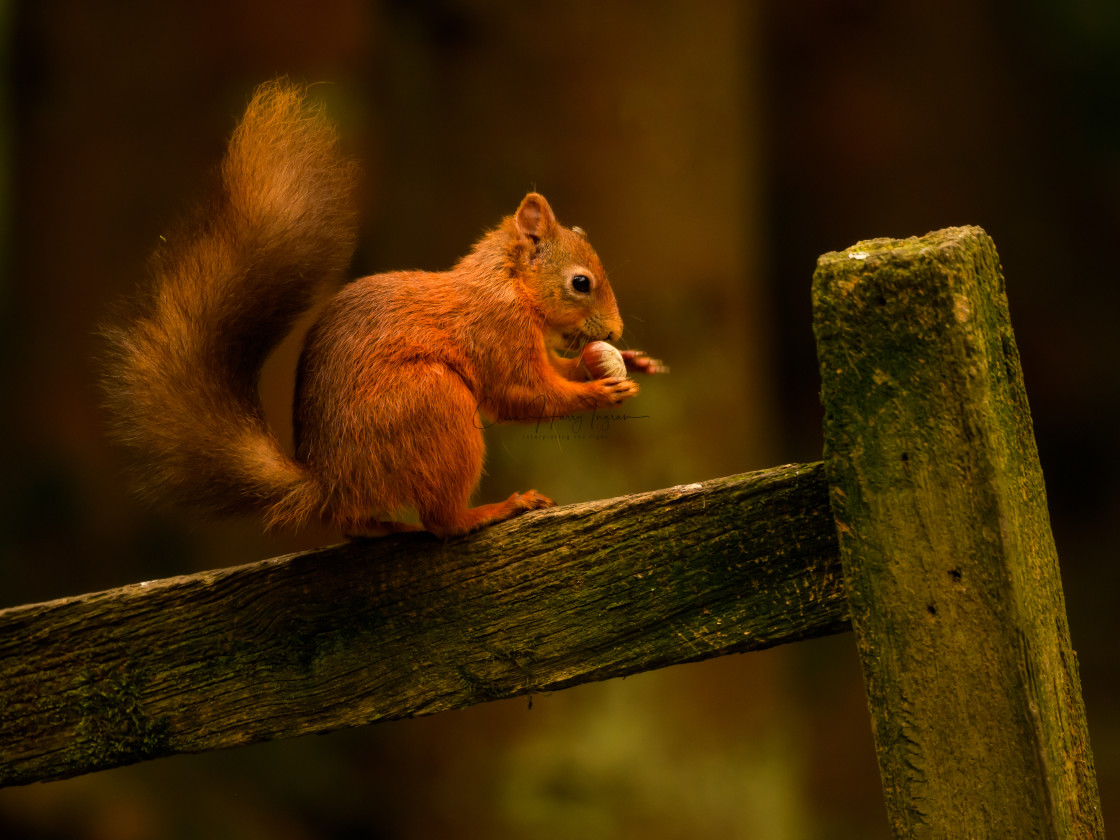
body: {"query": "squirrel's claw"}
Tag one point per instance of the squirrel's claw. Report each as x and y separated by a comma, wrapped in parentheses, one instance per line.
(638, 361)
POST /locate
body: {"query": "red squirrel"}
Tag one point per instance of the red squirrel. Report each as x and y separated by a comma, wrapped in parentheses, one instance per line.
(394, 373)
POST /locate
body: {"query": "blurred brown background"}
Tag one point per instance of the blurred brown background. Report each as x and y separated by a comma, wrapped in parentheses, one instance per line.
(712, 149)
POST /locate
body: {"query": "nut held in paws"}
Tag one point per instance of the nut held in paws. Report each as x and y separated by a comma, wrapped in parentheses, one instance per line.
(603, 361)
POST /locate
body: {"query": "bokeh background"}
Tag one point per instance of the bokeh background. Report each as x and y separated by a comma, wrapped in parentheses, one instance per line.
(713, 149)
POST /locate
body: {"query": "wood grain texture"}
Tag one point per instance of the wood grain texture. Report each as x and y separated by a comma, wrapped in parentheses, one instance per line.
(950, 564)
(383, 629)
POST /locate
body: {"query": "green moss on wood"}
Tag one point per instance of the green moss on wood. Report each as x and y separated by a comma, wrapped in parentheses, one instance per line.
(113, 727)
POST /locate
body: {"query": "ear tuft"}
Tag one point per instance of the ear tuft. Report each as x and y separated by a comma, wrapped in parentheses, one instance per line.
(534, 218)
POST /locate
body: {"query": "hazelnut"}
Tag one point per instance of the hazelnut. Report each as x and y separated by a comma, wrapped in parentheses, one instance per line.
(603, 361)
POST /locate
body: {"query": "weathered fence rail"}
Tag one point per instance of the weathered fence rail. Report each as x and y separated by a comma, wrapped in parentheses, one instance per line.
(383, 629)
(925, 530)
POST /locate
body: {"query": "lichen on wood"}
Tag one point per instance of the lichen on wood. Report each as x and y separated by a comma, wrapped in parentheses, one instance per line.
(949, 561)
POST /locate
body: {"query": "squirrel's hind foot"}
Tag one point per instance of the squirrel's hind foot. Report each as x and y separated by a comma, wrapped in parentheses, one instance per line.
(454, 523)
(531, 500)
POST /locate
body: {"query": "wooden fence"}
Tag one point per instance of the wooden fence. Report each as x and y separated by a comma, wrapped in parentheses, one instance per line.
(925, 531)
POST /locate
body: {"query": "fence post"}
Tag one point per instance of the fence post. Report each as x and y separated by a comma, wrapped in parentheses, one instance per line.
(950, 565)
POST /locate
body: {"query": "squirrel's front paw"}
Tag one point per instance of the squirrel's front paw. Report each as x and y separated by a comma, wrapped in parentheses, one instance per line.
(614, 390)
(638, 361)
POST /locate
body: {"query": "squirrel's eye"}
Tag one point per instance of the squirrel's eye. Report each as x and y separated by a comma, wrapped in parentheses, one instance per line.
(581, 283)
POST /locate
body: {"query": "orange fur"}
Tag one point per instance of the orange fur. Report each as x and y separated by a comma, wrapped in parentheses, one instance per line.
(396, 371)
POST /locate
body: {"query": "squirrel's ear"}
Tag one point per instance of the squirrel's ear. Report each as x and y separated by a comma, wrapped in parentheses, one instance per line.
(534, 218)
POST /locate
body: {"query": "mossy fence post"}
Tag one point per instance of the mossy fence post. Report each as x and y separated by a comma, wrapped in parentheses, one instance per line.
(949, 563)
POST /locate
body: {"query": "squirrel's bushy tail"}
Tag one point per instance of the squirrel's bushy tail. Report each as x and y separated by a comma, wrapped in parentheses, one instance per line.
(183, 373)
